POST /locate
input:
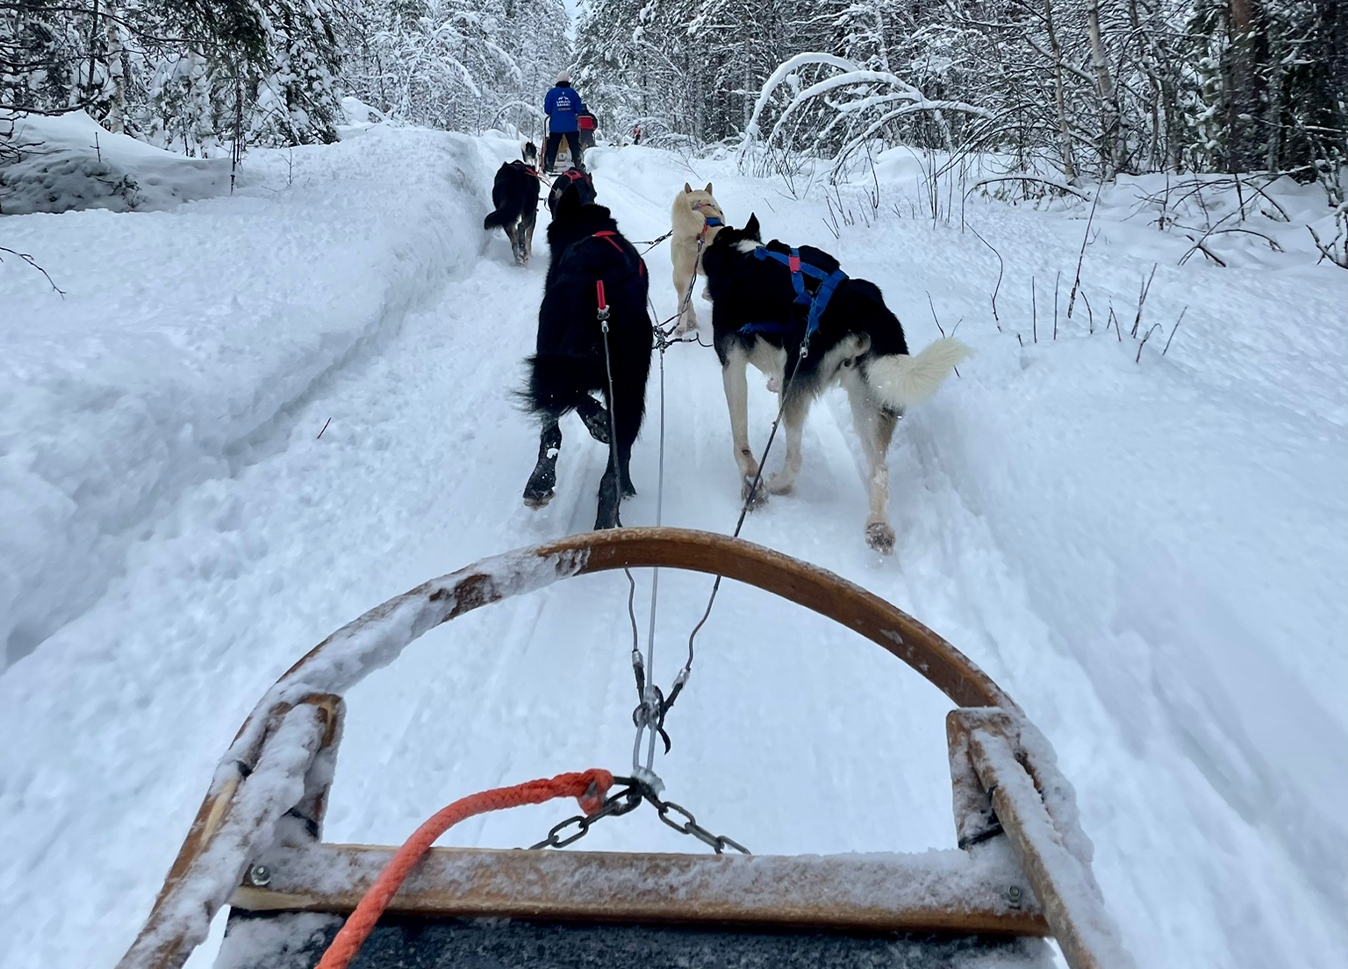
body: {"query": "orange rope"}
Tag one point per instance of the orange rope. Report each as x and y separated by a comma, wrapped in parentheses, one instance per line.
(588, 787)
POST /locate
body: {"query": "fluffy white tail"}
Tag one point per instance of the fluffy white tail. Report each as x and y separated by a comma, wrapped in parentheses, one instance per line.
(902, 381)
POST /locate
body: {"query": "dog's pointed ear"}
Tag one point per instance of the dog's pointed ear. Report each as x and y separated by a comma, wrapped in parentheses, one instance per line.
(687, 189)
(752, 230)
(708, 188)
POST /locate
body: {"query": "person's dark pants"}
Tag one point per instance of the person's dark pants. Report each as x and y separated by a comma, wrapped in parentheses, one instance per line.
(555, 143)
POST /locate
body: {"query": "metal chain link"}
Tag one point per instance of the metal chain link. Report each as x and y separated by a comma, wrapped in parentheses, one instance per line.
(626, 800)
(717, 842)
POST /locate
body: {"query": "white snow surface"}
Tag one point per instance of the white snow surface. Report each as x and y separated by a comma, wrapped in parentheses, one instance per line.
(1149, 556)
(187, 337)
(71, 162)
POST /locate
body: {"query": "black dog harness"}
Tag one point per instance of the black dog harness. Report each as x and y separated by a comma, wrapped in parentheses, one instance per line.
(828, 282)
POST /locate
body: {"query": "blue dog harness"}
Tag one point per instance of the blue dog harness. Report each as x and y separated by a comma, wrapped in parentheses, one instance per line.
(710, 221)
(816, 303)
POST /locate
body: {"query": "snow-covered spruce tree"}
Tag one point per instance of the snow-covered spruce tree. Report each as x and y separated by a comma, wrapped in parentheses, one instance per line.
(686, 74)
(166, 70)
(39, 56)
(295, 101)
(615, 70)
(464, 65)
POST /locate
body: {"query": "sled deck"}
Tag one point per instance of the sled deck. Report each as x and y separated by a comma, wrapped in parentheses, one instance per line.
(1021, 873)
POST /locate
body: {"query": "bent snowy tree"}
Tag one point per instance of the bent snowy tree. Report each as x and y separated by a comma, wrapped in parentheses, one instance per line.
(857, 106)
(1022, 871)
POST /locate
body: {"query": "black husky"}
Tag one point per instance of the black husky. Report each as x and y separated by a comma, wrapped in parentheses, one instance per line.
(594, 273)
(575, 182)
(515, 195)
(764, 299)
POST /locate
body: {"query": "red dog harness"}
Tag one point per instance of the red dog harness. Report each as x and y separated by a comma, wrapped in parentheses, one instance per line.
(611, 237)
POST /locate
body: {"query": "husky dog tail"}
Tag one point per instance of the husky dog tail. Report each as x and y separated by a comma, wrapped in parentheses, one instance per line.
(902, 381)
(497, 219)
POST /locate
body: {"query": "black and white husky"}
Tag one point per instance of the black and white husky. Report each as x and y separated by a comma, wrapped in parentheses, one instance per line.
(592, 266)
(758, 318)
(515, 195)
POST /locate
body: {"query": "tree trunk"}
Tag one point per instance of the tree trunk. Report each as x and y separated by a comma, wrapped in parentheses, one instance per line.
(1111, 141)
(1332, 24)
(1064, 132)
(93, 48)
(116, 120)
(1247, 86)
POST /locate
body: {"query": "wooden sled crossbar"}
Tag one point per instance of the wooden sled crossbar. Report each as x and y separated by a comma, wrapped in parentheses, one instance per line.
(255, 841)
(942, 891)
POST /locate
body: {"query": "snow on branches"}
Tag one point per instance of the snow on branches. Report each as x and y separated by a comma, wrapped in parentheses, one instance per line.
(850, 107)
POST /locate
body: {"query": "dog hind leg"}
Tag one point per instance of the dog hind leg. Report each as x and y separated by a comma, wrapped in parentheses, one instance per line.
(685, 277)
(539, 491)
(595, 416)
(736, 379)
(793, 416)
(612, 487)
(875, 426)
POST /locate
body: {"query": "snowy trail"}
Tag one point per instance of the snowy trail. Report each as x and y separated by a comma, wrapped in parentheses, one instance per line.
(793, 735)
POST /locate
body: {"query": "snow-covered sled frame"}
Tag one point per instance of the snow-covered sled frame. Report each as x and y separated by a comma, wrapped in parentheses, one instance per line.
(1023, 872)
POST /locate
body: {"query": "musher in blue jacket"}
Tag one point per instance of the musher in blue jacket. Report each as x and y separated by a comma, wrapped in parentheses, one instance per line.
(562, 106)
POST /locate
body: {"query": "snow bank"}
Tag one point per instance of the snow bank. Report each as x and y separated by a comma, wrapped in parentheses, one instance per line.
(185, 337)
(1188, 545)
(71, 162)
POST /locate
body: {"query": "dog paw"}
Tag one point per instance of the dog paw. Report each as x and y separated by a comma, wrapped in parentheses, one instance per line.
(685, 327)
(755, 497)
(537, 499)
(706, 294)
(538, 492)
(780, 484)
(880, 537)
(774, 385)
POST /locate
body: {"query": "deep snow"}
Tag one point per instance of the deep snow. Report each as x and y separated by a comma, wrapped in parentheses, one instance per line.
(186, 336)
(71, 162)
(1149, 556)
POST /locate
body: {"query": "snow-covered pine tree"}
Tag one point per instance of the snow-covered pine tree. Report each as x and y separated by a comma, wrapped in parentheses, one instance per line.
(296, 101)
(463, 65)
(164, 69)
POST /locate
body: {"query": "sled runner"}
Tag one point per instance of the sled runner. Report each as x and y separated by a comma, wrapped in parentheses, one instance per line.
(1021, 872)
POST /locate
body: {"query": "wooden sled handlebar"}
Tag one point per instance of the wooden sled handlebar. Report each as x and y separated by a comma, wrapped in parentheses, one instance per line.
(819, 590)
(233, 826)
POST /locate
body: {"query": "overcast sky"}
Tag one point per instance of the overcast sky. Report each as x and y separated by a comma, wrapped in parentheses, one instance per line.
(572, 8)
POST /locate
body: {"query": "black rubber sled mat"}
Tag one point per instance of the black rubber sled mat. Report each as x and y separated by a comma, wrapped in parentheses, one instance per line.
(296, 940)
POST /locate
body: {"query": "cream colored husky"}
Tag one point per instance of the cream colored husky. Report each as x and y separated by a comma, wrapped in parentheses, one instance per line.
(693, 211)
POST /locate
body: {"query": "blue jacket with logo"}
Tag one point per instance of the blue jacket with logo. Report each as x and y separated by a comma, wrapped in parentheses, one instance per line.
(561, 106)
